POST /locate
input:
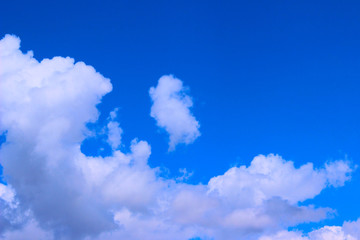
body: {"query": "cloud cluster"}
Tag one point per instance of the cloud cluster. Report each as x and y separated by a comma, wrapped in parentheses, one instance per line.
(54, 191)
(171, 110)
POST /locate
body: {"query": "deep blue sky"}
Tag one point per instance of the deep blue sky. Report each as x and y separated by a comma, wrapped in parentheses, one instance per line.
(266, 76)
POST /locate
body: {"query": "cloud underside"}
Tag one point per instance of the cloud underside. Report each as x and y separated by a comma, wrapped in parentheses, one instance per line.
(54, 191)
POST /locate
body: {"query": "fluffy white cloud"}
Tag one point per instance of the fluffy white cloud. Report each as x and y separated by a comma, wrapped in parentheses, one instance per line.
(55, 191)
(44, 108)
(265, 176)
(171, 110)
(330, 233)
(352, 228)
(7, 194)
(349, 231)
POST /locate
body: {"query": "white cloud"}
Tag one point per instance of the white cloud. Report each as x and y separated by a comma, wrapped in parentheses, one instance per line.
(352, 228)
(265, 176)
(56, 191)
(44, 108)
(171, 110)
(349, 231)
(7, 194)
(114, 131)
(330, 233)
(337, 173)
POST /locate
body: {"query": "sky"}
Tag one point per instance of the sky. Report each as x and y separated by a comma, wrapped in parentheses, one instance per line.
(179, 120)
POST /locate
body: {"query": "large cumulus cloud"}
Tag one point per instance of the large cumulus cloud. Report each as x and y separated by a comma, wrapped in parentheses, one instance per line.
(54, 191)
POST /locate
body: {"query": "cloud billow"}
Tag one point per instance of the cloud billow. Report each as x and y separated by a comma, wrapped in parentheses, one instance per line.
(54, 191)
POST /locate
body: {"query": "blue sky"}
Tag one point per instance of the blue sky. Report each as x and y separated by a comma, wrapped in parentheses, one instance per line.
(265, 77)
